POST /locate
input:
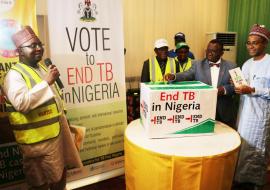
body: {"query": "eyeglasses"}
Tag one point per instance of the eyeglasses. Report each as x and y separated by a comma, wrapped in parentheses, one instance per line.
(34, 45)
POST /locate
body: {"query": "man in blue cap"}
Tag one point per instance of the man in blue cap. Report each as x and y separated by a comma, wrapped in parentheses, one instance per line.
(178, 38)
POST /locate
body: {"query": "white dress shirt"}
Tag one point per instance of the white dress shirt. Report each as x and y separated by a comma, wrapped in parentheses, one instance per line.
(214, 73)
(22, 98)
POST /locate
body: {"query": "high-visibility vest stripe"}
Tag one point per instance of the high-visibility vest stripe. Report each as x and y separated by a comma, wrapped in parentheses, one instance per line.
(172, 63)
(153, 70)
(21, 127)
(186, 65)
(33, 135)
(28, 77)
(27, 74)
(10, 108)
(36, 115)
(39, 124)
(153, 64)
(59, 91)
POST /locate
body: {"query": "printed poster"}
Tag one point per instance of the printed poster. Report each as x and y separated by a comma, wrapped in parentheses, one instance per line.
(86, 45)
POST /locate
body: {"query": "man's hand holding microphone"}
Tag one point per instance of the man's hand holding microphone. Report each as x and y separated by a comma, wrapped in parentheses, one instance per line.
(53, 74)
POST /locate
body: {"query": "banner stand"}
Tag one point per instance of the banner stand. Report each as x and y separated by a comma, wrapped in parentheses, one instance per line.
(94, 179)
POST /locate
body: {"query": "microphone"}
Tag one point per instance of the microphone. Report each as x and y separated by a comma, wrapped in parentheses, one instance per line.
(48, 62)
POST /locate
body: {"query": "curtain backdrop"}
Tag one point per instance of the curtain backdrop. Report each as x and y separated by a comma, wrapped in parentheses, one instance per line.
(242, 15)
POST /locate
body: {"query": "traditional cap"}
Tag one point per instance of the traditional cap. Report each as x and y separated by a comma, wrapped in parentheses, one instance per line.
(23, 35)
(161, 43)
(260, 30)
(180, 35)
(181, 45)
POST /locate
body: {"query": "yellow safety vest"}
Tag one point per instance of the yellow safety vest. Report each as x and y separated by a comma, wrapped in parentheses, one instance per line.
(155, 71)
(39, 124)
(186, 65)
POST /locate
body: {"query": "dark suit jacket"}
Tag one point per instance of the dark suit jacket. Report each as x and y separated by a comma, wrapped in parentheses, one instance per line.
(200, 71)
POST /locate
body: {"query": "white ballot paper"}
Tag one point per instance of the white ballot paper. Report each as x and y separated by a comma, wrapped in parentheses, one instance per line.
(237, 77)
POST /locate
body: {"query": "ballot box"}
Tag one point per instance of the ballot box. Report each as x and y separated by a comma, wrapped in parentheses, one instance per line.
(177, 109)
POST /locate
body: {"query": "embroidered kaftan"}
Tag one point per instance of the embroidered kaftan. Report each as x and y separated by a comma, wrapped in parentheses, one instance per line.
(254, 123)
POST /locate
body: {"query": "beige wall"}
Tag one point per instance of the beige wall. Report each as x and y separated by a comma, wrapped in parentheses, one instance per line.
(147, 20)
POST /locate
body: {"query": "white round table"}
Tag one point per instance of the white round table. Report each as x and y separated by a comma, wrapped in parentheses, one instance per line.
(188, 163)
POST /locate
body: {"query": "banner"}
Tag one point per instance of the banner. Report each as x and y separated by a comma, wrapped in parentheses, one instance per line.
(13, 14)
(86, 45)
